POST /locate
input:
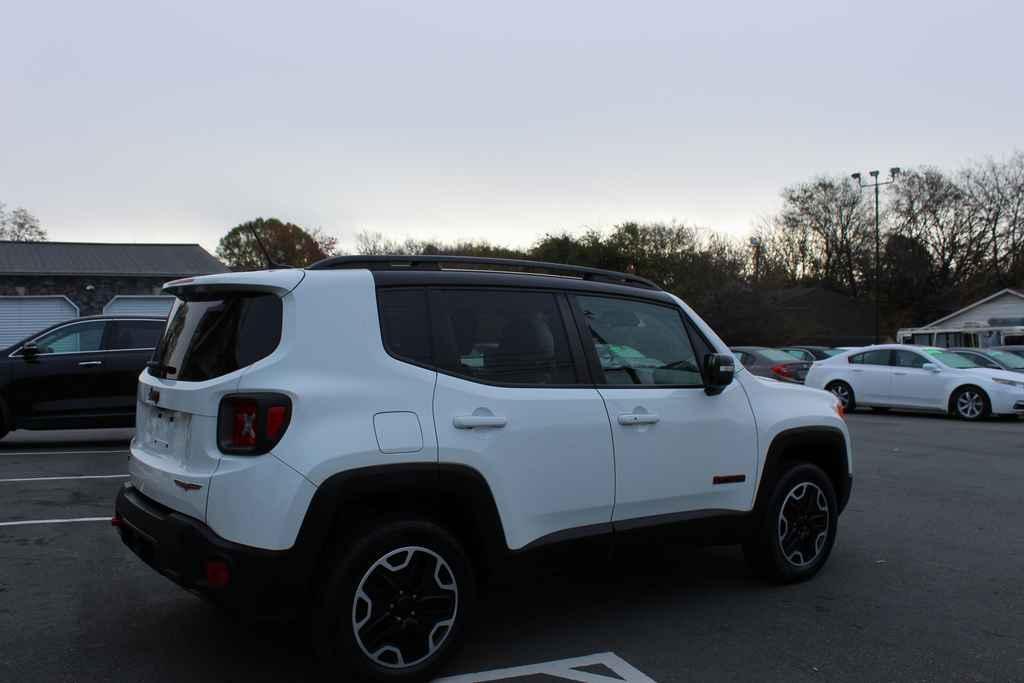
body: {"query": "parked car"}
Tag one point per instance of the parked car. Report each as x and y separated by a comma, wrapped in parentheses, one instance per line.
(361, 439)
(993, 359)
(773, 363)
(924, 378)
(811, 353)
(77, 374)
(1015, 349)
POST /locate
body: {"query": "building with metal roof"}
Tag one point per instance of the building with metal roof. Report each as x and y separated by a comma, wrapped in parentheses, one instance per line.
(42, 283)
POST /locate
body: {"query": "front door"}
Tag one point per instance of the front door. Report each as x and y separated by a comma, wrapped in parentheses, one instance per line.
(62, 380)
(677, 449)
(513, 402)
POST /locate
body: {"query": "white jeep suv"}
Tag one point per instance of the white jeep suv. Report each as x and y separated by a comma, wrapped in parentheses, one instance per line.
(359, 440)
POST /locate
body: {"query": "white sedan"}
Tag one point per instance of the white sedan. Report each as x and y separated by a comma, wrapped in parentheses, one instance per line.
(919, 377)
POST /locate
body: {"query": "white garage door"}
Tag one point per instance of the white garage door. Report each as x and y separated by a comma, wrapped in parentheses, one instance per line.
(21, 316)
(126, 304)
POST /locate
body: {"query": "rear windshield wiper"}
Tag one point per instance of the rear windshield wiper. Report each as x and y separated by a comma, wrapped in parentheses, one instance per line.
(160, 369)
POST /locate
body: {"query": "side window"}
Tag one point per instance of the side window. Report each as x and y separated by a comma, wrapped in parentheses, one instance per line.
(640, 343)
(879, 357)
(405, 324)
(505, 337)
(908, 359)
(801, 354)
(745, 359)
(983, 361)
(133, 334)
(78, 338)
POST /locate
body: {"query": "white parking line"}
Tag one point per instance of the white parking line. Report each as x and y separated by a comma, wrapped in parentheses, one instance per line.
(81, 476)
(574, 669)
(24, 522)
(3, 452)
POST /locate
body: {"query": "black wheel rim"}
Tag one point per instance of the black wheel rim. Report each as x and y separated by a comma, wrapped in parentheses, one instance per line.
(404, 607)
(803, 524)
(842, 393)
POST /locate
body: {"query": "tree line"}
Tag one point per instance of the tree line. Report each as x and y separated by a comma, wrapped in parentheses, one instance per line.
(947, 238)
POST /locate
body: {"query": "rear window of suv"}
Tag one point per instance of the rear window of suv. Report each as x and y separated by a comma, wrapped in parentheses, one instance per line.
(209, 338)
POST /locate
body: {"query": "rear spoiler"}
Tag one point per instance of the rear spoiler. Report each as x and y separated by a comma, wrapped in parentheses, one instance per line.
(278, 282)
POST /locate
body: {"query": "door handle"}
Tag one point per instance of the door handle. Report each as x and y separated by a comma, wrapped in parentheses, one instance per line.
(628, 419)
(90, 362)
(857, 370)
(476, 421)
(899, 373)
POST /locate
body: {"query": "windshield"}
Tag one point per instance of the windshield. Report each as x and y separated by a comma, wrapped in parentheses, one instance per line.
(950, 359)
(1007, 359)
(207, 339)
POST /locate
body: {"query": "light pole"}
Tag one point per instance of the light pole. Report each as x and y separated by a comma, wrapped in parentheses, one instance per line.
(876, 183)
(755, 243)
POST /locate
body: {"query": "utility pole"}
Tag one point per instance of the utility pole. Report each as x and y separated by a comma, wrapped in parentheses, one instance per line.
(893, 173)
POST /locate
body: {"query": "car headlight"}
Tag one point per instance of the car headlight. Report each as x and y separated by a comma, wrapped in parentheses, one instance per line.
(1009, 382)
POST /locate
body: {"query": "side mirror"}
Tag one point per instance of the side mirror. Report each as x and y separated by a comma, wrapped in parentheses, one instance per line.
(719, 369)
(30, 350)
(931, 367)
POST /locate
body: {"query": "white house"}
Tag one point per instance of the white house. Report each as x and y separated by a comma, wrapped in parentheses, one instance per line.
(993, 321)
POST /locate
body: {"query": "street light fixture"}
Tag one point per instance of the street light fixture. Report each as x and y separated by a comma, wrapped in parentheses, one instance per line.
(894, 172)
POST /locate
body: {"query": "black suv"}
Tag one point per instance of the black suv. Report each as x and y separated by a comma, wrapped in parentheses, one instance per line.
(77, 374)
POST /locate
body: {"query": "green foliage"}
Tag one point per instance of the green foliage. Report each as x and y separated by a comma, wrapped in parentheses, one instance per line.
(287, 244)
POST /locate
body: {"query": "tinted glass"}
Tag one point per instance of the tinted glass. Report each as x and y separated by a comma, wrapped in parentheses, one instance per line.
(133, 334)
(800, 354)
(79, 338)
(505, 337)
(832, 352)
(640, 343)
(207, 339)
(404, 323)
(908, 359)
(880, 357)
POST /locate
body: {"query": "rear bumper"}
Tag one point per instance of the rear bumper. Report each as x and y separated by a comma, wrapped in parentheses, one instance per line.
(179, 547)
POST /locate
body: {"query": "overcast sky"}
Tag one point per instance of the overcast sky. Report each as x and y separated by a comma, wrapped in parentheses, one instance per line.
(173, 121)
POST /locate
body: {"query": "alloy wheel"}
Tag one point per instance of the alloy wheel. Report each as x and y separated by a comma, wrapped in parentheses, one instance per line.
(404, 607)
(970, 404)
(803, 524)
(842, 392)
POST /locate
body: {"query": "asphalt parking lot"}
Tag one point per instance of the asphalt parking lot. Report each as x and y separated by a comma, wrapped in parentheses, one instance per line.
(926, 583)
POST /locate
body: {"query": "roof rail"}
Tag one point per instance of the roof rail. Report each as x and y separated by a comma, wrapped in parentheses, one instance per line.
(507, 264)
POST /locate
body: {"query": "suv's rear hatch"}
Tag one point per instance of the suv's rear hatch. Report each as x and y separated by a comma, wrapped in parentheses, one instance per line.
(219, 326)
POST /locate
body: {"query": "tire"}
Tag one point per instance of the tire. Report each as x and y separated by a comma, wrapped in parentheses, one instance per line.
(795, 534)
(844, 392)
(365, 625)
(970, 403)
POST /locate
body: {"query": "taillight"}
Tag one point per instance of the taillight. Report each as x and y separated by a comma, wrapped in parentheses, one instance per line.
(252, 424)
(782, 371)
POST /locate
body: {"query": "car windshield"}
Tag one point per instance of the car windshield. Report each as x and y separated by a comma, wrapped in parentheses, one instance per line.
(1007, 359)
(950, 359)
(776, 355)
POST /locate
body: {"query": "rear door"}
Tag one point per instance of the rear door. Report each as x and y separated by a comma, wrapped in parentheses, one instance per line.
(912, 385)
(677, 450)
(128, 346)
(514, 402)
(871, 377)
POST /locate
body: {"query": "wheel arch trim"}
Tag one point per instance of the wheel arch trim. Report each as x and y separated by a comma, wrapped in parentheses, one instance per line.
(783, 445)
